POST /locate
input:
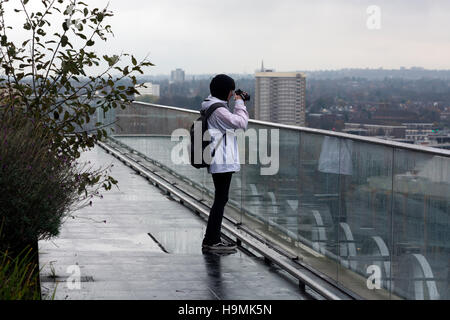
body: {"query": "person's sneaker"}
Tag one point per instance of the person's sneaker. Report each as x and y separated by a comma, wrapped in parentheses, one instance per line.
(220, 247)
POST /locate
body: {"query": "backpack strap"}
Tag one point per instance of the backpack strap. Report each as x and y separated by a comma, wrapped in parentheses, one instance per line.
(208, 114)
(211, 109)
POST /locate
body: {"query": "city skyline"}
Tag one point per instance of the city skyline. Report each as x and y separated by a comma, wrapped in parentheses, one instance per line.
(252, 74)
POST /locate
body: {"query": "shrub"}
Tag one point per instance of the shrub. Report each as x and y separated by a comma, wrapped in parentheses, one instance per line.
(40, 187)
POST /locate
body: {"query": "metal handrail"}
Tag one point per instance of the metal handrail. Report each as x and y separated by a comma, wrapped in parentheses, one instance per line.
(386, 143)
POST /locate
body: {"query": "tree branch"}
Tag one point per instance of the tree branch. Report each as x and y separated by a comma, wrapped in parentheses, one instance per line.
(33, 67)
(9, 62)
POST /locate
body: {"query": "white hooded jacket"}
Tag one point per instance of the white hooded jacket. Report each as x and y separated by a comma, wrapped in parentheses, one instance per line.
(222, 125)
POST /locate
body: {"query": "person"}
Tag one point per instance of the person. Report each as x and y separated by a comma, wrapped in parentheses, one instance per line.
(225, 157)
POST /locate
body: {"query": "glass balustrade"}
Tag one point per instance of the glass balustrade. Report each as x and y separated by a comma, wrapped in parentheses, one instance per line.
(371, 216)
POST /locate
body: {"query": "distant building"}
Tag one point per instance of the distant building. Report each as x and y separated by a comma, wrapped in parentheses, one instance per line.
(445, 116)
(263, 69)
(280, 97)
(419, 131)
(389, 116)
(322, 121)
(177, 76)
(415, 133)
(376, 130)
(151, 90)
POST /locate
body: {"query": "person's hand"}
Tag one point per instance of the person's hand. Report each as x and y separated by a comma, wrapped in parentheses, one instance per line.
(237, 97)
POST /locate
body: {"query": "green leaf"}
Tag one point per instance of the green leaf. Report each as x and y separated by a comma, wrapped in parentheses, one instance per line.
(64, 41)
(90, 43)
(133, 60)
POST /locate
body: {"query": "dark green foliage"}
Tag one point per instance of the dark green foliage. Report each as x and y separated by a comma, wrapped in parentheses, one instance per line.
(40, 186)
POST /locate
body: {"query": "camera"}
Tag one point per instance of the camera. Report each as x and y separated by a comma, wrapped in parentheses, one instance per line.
(244, 95)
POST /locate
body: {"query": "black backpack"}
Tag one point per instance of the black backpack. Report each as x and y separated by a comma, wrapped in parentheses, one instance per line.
(204, 116)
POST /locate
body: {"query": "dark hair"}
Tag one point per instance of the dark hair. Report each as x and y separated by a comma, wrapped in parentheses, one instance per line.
(221, 85)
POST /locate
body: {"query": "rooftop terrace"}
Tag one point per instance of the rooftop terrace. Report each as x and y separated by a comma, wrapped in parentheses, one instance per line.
(345, 215)
(138, 243)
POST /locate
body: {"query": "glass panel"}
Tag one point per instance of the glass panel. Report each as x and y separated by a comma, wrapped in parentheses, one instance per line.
(271, 182)
(140, 118)
(280, 183)
(148, 130)
(421, 226)
(318, 209)
(284, 197)
(364, 228)
(241, 193)
(253, 185)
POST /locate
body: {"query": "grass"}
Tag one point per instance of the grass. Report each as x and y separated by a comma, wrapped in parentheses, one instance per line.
(19, 276)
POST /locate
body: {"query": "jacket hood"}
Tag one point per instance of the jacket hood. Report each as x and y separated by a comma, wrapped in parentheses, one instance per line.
(208, 102)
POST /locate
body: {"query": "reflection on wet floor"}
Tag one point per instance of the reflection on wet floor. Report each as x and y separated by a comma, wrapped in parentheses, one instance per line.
(123, 261)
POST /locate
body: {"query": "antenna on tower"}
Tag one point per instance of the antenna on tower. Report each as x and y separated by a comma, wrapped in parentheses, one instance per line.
(262, 66)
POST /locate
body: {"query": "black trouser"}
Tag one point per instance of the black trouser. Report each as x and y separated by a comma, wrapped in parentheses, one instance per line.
(222, 183)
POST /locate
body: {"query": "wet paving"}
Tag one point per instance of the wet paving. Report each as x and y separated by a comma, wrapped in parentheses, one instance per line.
(136, 243)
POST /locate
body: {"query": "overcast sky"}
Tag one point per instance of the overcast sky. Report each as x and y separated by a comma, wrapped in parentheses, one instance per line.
(233, 36)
